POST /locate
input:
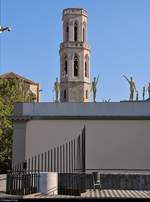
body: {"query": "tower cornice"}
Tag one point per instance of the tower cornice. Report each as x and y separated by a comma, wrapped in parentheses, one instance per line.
(74, 11)
(80, 45)
(73, 81)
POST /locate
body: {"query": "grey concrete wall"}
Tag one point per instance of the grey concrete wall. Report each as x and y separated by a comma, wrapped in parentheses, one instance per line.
(42, 135)
(124, 181)
(121, 181)
(84, 109)
(110, 144)
(19, 141)
(120, 144)
(18, 109)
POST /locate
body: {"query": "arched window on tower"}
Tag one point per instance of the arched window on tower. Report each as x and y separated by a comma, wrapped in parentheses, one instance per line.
(76, 65)
(75, 31)
(87, 66)
(84, 32)
(86, 71)
(65, 94)
(67, 32)
(65, 65)
(86, 94)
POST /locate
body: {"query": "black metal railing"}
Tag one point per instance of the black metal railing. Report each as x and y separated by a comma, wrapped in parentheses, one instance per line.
(22, 182)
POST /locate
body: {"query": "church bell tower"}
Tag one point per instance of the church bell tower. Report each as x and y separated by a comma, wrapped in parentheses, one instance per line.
(74, 57)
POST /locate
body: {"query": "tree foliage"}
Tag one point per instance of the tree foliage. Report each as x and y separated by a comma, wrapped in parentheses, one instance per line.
(11, 91)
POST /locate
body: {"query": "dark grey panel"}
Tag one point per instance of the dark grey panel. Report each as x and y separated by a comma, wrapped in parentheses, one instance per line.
(19, 140)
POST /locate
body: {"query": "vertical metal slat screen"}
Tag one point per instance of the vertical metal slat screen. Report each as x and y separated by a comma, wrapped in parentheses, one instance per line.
(68, 159)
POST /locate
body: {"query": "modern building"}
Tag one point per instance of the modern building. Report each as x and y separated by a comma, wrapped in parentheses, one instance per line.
(117, 133)
(33, 86)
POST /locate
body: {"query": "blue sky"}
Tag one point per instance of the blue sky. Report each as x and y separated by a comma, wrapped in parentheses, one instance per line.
(118, 33)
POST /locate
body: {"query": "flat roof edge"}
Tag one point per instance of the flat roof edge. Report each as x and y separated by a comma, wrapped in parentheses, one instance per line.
(37, 117)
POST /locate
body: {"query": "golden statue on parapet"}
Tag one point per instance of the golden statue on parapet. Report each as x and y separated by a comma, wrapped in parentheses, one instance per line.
(56, 89)
(94, 87)
(146, 88)
(132, 88)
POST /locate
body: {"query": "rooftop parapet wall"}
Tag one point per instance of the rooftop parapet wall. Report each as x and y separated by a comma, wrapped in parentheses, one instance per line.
(102, 109)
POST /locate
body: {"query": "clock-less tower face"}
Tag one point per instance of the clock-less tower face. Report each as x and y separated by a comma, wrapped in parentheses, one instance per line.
(74, 57)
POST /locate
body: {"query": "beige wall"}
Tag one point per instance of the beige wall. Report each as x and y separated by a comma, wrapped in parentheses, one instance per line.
(109, 143)
(45, 134)
(34, 89)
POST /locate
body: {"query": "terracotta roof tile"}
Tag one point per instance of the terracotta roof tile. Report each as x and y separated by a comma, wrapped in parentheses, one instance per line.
(10, 75)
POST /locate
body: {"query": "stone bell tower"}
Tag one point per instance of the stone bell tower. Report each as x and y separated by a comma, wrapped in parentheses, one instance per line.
(74, 57)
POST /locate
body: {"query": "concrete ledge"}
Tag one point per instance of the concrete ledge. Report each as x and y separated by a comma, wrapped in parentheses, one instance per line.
(102, 109)
(48, 183)
(121, 181)
(3, 183)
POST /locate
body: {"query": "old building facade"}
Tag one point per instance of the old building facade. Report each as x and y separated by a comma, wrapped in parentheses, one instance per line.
(74, 57)
(33, 86)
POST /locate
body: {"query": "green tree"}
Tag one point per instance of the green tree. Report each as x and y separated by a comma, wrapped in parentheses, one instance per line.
(11, 91)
